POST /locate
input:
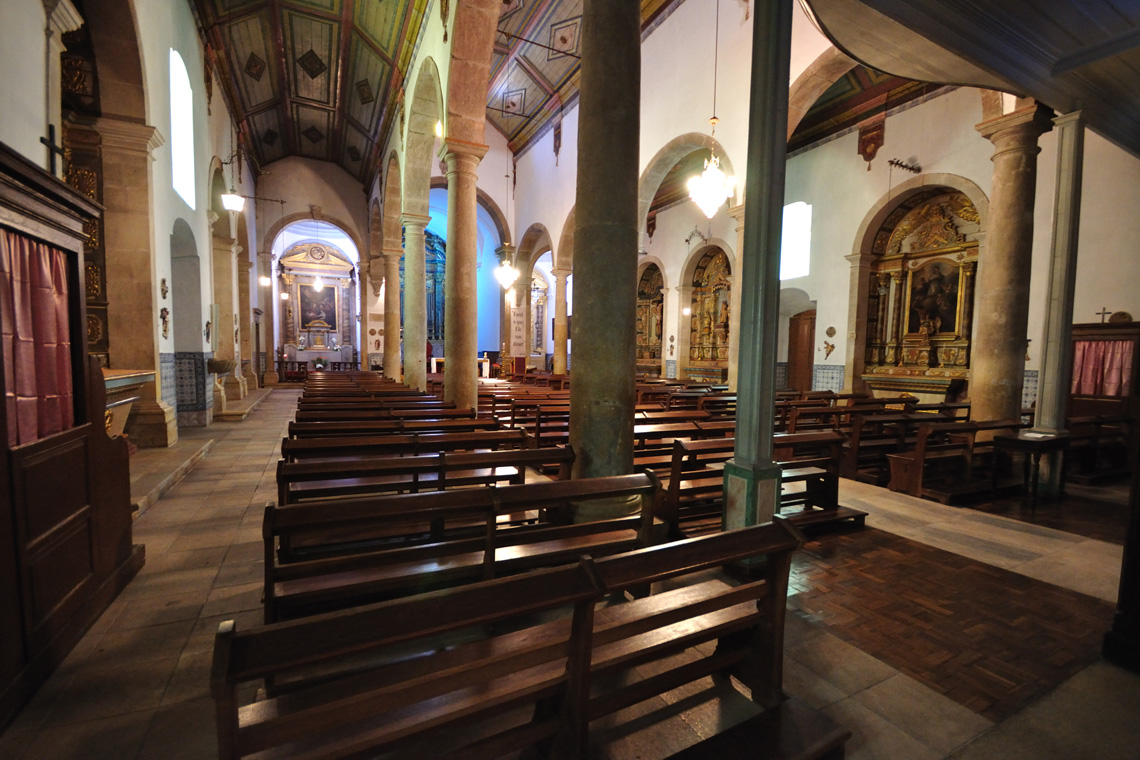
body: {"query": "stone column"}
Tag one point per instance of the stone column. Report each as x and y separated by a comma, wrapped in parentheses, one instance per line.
(270, 343)
(415, 302)
(897, 280)
(226, 251)
(737, 213)
(461, 302)
(245, 323)
(602, 395)
(561, 333)
(859, 285)
(998, 364)
(392, 365)
(751, 478)
(129, 240)
(1057, 359)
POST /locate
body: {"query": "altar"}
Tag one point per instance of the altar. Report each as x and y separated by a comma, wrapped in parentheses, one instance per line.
(484, 365)
(328, 354)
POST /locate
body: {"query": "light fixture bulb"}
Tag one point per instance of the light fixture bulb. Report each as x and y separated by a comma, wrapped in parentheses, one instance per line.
(439, 129)
(686, 311)
(506, 274)
(318, 284)
(231, 201)
(284, 296)
(264, 281)
(712, 188)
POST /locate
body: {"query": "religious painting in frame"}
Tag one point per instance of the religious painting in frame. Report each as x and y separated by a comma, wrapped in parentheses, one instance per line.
(319, 308)
(932, 300)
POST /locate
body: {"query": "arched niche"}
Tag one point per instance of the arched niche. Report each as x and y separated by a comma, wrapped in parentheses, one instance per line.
(188, 323)
(710, 315)
(920, 253)
(650, 318)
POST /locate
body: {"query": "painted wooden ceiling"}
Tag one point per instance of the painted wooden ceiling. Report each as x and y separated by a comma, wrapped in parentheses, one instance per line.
(534, 67)
(313, 78)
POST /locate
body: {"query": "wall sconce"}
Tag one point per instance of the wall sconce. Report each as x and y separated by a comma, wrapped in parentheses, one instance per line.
(284, 296)
(264, 281)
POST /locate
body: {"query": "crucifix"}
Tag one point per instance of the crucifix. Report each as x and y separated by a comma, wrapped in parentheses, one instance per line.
(54, 150)
(1103, 314)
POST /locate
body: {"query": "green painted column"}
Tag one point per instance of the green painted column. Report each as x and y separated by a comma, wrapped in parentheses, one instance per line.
(751, 478)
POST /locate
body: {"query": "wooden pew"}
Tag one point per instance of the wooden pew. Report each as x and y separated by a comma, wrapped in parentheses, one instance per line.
(948, 462)
(325, 429)
(873, 436)
(301, 449)
(327, 479)
(356, 415)
(1099, 448)
(426, 675)
(357, 574)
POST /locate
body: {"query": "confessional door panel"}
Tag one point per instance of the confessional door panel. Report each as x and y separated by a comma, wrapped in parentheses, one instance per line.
(801, 340)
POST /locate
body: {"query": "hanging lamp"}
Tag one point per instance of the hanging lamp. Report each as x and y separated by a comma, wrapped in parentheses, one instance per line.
(712, 187)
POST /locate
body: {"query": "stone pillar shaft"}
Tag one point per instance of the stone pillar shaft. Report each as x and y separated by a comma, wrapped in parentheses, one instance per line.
(602, 393)
(129, 240)
(245, 322)
(392, 313)
(561, 333)
(1057, 358)
(225, 295)
(998, 363)
(897, 314)
(751, 478)
(855, 345)
(269, 341)
(461, 301)
(415, 301)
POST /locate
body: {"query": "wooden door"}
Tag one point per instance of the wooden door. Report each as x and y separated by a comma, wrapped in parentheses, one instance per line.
(801, 341)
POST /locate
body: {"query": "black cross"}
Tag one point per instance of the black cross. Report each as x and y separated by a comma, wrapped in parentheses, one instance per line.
(53, 149)
(1103, 314)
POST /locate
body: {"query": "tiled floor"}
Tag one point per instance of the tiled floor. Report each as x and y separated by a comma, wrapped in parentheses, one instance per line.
(137, 684)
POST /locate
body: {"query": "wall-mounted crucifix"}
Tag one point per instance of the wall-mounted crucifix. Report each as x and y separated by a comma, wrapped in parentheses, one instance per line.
(1103, 314)
(54, 150)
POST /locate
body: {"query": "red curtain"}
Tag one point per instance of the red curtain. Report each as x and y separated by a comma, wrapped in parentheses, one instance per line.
(1102, 368)
(36, 339)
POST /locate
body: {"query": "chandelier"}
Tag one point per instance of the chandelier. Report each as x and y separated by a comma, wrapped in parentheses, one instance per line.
(505, 273)
(712, 187)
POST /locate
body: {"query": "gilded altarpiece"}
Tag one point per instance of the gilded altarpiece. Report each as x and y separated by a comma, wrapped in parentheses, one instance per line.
(317, 318)
(921, 295)
(435, 262)
(709, 317)
(650, 305)
(79, 92)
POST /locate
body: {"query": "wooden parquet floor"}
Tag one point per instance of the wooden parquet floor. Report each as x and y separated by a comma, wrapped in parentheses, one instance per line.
(991, 640)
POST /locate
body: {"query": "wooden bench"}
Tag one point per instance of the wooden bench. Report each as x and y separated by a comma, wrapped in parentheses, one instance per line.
(873, 436)
(1099, 448)
(356, 415)
(329, 479)
(382, 427)
(505, 664)
(348, 571)
(948, 462)
(395, 444)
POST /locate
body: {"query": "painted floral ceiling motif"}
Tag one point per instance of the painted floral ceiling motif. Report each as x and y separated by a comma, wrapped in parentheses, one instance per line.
(313, 78)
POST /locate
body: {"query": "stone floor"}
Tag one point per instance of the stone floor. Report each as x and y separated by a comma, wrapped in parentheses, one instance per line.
(137, 684)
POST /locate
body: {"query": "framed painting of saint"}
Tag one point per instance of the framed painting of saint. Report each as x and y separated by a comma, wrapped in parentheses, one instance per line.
(318, 308)
(933, 298)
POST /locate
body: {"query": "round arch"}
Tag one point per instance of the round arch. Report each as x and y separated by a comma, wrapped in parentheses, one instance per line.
(565, 252)
(813, 81)
(689, 269)
(425, 111)
(392, 205)
(535, 242)
(114, 36)
(498, 218)
(666, 158)
(279, 226)
(902, 192)
(645, 262)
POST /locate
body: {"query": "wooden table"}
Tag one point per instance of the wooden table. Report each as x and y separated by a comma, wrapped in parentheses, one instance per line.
(1033, 445)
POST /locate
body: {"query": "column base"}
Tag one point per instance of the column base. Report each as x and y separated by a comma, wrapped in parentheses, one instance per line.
(751, 494)
(235, 387)
(219, 396)
(606, 509)
(1122, 650)
(152, 425)
(248, 376)
(270, 379)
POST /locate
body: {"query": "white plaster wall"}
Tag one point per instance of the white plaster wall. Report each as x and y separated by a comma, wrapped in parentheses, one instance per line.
(23, 107)
(545, 186)
(305, 182)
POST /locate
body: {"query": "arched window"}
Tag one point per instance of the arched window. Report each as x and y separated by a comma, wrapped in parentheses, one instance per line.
(795, 245)
(181, 129)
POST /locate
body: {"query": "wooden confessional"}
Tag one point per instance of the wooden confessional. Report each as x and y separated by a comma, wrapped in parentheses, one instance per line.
(65, 514)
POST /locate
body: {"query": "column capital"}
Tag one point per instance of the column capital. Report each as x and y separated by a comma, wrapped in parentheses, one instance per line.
(506, 250)
(1019, 129)
(737, 213)
(392, 254)
(414, 220)
(452, 148)
(244, 265)
(561, 272)
(128, 136)
(857, 260)
(62, 17)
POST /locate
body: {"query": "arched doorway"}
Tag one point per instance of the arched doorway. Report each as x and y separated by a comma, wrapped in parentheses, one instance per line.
(316, 264)
(801, 339)
(195, 398)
